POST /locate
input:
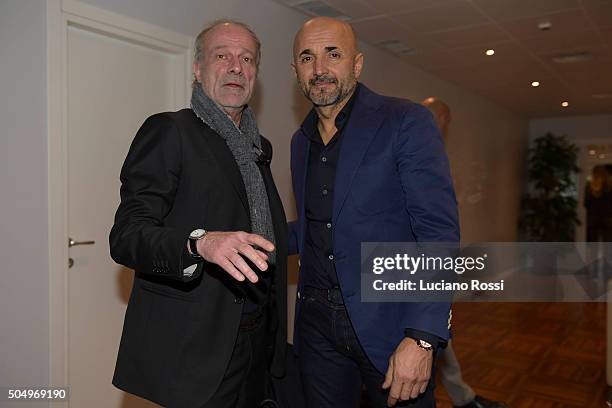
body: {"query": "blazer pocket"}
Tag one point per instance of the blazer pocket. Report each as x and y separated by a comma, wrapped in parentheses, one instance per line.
(168, 292)
(171, 324)
(373, 197)
(375, 188)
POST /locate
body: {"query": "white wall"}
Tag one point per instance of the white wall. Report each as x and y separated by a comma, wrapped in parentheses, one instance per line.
(24, 283)
(486, 147)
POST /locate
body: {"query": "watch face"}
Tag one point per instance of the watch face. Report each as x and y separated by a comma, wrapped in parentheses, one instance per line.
(425, 344)
(197, 234)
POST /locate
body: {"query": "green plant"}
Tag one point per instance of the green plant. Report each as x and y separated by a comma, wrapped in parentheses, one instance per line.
(548, 209)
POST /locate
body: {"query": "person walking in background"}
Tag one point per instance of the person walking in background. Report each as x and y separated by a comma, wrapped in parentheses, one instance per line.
(459, 392)
(598, 204)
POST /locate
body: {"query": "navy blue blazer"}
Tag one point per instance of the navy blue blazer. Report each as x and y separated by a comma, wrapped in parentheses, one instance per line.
(393, 184)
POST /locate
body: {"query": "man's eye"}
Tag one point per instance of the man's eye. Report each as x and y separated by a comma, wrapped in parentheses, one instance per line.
(220, 56)
(247, 59)
(335, 55)
(306, 59)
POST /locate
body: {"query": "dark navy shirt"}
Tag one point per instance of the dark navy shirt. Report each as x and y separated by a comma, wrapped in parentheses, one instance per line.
(317, 259)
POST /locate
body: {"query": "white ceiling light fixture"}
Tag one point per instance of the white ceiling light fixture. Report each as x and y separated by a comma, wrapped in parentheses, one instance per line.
(490, 52)
(408, 51)
(607, 95)
(572, 58)
(318, 8)
(565, 104)
(397, 47)
(535, 84)
(544, 25)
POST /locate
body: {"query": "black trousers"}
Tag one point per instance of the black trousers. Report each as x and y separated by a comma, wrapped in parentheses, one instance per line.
(244, 382)
(333, 364)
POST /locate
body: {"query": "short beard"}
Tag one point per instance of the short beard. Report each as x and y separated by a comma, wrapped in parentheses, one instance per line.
(321, 99)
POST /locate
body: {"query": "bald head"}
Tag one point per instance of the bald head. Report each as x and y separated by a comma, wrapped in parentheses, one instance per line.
(340, 31)
(440, 111)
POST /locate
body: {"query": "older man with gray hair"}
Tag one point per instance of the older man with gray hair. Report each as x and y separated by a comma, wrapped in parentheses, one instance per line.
(202, 225)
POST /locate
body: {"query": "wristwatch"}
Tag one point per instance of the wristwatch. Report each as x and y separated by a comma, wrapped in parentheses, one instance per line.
(423, 344)
(194, 237)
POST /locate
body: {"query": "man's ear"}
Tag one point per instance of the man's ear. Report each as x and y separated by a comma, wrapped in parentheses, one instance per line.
(294, 70)
(196, 71)
(358, 65)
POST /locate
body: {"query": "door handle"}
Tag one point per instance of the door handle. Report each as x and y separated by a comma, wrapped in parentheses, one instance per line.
(72, 242)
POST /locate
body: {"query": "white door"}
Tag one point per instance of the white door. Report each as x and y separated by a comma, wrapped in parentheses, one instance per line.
(113, 84)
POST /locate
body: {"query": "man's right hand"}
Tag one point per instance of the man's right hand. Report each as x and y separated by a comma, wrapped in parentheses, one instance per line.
(227, 250)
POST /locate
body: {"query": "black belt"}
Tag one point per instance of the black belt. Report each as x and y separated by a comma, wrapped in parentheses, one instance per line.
(333, 295)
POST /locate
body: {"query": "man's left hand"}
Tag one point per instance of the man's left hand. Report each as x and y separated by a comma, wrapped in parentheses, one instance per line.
(408, 373)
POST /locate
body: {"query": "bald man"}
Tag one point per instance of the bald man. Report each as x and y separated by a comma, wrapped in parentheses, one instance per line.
(459, 392)
(365, 168)
(441, 113)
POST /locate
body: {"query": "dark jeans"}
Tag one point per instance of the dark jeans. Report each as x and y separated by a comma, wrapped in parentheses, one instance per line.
(333, 364)
(244, 382)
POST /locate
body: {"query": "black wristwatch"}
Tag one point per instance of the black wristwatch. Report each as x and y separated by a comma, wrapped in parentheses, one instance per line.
(194, 237)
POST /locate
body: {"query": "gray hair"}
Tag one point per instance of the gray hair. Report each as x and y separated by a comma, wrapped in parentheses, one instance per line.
(199, 42)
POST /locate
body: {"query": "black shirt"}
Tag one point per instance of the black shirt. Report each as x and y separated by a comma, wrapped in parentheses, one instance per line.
(317, 259)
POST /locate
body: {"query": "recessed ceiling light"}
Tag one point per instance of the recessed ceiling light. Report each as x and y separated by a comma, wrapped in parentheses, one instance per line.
(535, 84)
(565, 104)
(490, 52)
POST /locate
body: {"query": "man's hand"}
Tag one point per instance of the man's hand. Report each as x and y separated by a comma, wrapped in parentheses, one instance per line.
(227, 250)
(408, 373)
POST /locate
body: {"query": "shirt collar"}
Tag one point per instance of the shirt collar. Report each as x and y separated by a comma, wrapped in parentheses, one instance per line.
(309, 126)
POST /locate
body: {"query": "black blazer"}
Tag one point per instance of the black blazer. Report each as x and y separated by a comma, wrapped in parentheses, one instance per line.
(179, 333)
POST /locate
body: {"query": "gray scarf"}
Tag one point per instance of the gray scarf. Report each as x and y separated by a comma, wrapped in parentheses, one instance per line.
(245, 145)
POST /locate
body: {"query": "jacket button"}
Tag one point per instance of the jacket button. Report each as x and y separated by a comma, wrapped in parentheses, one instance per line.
(299, 296)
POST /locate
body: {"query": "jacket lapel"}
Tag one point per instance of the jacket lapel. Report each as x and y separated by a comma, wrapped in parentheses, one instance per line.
(361, 129)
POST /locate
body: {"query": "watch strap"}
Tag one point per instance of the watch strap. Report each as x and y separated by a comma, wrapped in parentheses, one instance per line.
(193, 248)
(192, 241)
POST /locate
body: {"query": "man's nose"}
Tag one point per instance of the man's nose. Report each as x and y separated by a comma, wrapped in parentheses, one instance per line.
(319, 66)
(234, 66)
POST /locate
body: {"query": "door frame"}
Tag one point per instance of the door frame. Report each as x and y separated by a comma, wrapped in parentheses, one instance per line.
(61, 15)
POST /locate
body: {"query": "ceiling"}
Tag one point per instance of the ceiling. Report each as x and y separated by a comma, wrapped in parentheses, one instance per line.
(448, 38)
